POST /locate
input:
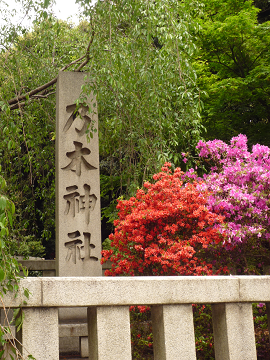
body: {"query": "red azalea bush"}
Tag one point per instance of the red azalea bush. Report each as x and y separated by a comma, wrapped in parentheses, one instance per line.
(164, 230)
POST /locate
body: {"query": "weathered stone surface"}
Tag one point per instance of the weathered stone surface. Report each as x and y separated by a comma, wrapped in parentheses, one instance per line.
(233, 327)
(254, 287)
(139, 290)
(100, 291)
(66, 330)
(35, 298)
(78, 222)
(84, 347)
(109, 333)
(6, 316)
(173, 332)
(68, 345)
(41, 265)
(39, 334)
(48, 266)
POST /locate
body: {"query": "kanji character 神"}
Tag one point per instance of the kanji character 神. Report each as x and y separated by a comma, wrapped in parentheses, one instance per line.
(77, 203)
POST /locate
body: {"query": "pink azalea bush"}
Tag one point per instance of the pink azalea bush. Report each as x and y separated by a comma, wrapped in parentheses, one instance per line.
(239, 183)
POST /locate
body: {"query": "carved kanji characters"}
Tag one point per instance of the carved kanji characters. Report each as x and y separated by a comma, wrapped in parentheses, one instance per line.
(82, 112)
(77, 203)
(78, 249)
(77, 159)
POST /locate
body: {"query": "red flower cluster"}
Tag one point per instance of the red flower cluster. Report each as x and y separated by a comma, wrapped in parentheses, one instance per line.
(163, 230)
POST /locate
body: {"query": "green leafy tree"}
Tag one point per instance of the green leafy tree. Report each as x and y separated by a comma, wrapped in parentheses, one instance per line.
(29, 65)
(234, 70)
(137, 55)
(146, 87)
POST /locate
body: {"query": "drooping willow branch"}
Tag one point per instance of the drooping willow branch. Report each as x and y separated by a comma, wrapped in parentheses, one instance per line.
(42, 90)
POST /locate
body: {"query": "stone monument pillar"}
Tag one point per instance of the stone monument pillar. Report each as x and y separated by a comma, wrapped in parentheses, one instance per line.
(78, 220)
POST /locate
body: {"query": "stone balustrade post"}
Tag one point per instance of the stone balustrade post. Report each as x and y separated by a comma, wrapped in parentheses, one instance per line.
(39, 333)
(173, 332)
(109, 333)
(233, 327)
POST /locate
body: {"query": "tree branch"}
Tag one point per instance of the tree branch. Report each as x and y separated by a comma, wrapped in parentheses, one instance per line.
(41, 90)
(87, 55)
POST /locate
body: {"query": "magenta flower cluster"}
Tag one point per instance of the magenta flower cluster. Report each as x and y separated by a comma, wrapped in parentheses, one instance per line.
(239, 181)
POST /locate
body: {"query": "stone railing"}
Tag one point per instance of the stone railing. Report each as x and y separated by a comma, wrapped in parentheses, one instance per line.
(108, 301)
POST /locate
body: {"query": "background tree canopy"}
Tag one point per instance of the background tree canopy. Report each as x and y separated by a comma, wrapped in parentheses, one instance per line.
(233, 69)
(164, 72)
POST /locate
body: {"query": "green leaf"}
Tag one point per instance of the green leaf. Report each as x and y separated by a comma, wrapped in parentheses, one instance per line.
(16, 312)
(2, 242)
(26, 293)
(20, 322)
(10, 287)
(10, 218)
(46, 3)
(25, 271)
(2, 275)
(3, 202)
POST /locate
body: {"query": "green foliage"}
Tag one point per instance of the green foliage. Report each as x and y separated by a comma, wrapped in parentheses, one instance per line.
(9, 272)
(9, 267)
(261, 330)
(233, 68)
(27, 133)
(202, 315)
(145, 84)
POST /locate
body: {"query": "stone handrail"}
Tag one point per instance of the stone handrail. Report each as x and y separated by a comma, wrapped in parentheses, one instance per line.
(108, 301)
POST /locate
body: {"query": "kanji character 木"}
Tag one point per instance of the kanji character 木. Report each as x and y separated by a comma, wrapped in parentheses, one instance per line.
(77, 159)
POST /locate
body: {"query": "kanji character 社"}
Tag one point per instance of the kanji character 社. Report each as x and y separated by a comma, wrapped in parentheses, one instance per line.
(78, 249)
